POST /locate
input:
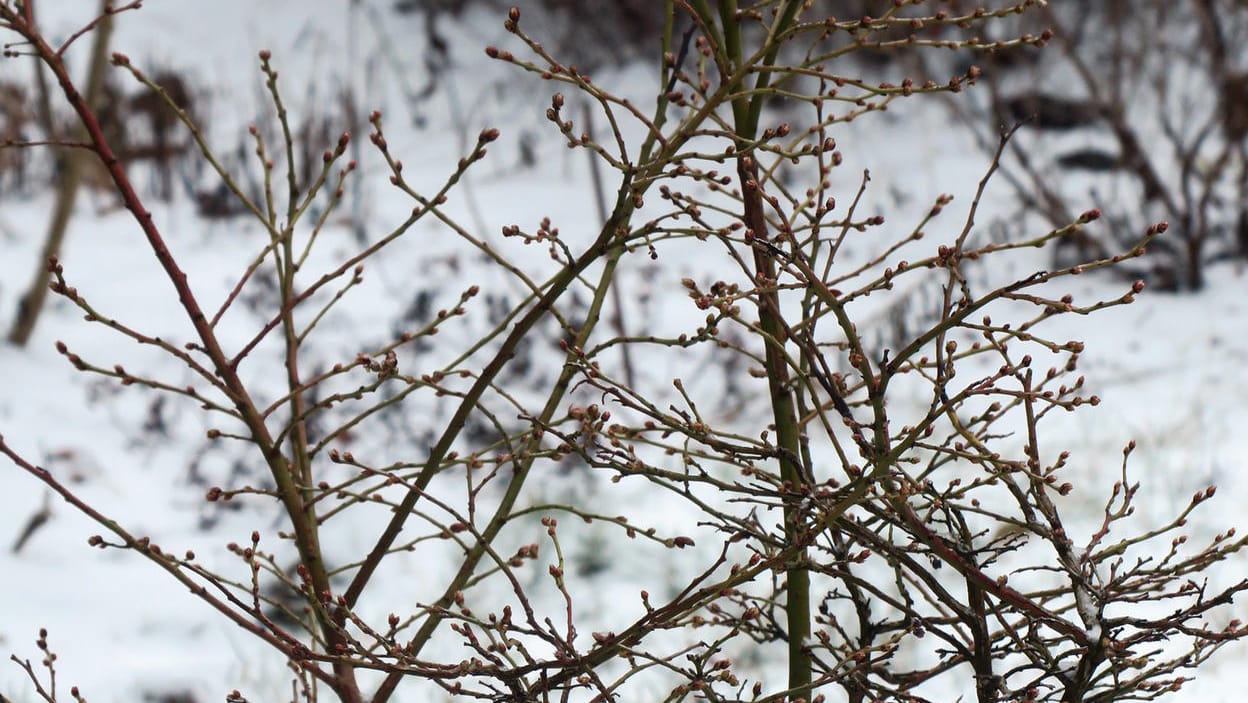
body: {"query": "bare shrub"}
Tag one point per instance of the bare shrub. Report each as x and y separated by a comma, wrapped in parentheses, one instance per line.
(840, 542)
(1141, 106)
(14, 119)
(140, 124)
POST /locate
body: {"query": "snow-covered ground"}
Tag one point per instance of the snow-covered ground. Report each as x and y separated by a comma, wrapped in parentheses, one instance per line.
(1169, 369)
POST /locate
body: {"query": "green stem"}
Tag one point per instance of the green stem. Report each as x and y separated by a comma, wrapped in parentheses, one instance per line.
(784, 20)
(788, 437)
(746, 110)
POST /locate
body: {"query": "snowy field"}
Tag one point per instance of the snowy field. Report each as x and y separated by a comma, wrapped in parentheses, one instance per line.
(1170, 369)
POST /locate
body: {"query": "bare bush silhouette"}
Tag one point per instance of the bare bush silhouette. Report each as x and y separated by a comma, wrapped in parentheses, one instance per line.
(865, 547)
(1152, 128)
